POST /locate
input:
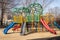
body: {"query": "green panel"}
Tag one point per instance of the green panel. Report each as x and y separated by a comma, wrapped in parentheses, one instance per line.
(38, 8)
(36, 18)
(29, 18)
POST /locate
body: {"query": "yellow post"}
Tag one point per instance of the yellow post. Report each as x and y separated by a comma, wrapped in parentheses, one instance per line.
(39, 24)
(32, 19)
(43, 29)
(38, 27)
(47, 20)
(32, 22)
(52, 20)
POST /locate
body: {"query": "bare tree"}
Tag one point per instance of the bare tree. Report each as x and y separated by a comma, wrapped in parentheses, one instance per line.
(55, 11)
(45, 3)
(6, 5)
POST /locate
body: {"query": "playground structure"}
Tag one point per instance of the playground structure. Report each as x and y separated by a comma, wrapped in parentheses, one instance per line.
(31, 19)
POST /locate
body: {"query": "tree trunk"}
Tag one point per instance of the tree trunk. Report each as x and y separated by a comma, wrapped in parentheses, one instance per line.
(2, 16)
(2, 13)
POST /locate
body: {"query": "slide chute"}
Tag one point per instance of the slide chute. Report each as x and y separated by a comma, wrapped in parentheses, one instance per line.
(8, 27)
(47, 27)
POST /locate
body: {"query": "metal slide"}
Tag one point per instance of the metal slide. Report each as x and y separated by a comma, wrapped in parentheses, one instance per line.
(23, 28)
(47, 27)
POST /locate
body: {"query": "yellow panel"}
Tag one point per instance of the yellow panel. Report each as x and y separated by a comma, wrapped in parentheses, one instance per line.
(25, 19)
(20, 19)
(47, 20)
(52, 18)
(14, 18)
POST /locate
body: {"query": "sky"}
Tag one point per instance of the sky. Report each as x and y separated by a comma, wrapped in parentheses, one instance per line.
(55, 3)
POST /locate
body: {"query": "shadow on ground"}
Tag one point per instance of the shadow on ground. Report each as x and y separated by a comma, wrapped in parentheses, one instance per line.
(13, 32)
(2, 26)
(52, 38)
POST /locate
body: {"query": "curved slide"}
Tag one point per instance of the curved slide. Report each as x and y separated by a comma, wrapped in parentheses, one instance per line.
(8, 27)
(16, 27)
(47, 27)
(57, 25)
